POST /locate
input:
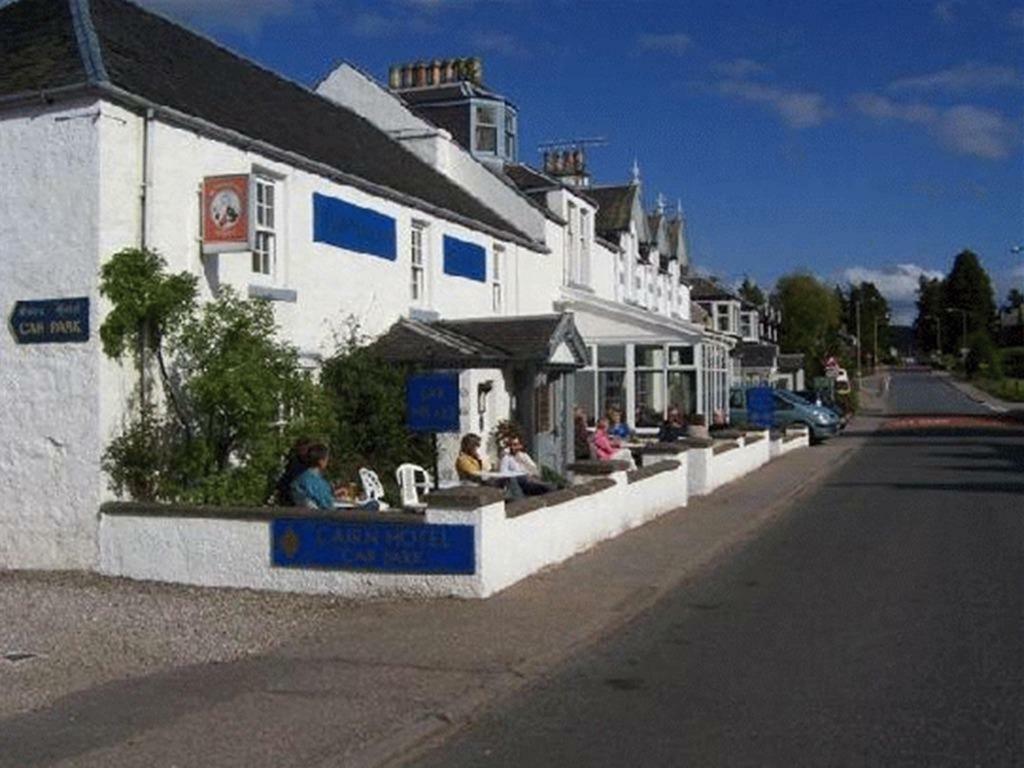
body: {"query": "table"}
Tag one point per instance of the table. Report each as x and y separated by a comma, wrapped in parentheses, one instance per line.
(501, 475)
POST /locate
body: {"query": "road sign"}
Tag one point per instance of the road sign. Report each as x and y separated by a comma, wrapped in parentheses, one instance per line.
(432, 402)
(831, 362)
(51, 321)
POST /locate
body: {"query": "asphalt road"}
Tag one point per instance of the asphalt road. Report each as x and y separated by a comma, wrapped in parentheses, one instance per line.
(921, 392)
(879, 622)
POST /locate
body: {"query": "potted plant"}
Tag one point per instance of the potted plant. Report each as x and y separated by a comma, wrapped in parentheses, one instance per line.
(697, 425)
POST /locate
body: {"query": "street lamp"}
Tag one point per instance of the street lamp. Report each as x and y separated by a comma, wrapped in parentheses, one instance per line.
(963, 315)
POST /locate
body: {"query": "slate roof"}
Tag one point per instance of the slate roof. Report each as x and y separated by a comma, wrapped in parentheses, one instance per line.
(791, 363)
(480, 342)
(457, 91)
(528, 179)
(614, 207)
(703, 289)
(48, 44)
(754, 355)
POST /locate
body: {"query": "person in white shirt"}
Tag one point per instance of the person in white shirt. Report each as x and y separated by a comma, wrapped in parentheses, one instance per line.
(515, 460)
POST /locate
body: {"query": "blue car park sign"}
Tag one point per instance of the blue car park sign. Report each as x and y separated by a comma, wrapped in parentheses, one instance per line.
(761, 406)
(432, 402)
(372, 546)
(51, 321)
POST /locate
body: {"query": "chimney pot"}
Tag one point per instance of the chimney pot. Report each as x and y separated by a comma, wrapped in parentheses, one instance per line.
(394, 77)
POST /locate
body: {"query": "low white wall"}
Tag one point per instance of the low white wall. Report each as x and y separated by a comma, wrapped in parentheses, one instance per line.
(218, 552)
(790, 442)
(215, 552)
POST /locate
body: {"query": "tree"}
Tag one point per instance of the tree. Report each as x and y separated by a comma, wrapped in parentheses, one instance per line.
(930, 313)
(1014, 299)
(967, 287)
(367, 398)
(874, 314)
(237, 396)
(810, 318)
(751, 293)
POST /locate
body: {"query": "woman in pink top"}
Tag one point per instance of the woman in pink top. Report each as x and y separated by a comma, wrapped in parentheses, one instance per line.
(607, 448)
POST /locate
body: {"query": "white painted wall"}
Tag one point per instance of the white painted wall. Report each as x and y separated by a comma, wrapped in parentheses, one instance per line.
(50, 479)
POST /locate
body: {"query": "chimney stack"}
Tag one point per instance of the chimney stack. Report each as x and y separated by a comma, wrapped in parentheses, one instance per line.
(436, 72)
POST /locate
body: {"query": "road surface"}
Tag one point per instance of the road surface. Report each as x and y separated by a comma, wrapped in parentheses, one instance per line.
(880, 622)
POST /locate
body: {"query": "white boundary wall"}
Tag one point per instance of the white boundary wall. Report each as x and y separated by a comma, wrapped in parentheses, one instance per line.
(218, 552)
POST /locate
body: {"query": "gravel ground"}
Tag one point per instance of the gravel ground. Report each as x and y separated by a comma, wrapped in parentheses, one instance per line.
(85, 630)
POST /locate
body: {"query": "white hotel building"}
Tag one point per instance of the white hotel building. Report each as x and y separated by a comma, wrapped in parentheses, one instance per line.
(110, 121)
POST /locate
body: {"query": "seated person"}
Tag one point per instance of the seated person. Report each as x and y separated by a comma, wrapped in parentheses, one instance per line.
(672, 428)
(581, 435)
(295, 465)
(607, 448)
(311, 489)
(617, 428)
(516, 459)
(469, 466)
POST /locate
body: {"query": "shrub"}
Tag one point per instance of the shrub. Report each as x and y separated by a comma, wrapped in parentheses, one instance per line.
(982, 357)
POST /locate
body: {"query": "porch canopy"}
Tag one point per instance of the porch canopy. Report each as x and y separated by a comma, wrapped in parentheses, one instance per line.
(546, 342)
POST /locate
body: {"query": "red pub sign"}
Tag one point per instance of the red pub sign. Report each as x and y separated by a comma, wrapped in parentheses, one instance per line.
(226, 215)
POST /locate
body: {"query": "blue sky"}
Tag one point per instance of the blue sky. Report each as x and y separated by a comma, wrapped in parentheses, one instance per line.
(860, 140)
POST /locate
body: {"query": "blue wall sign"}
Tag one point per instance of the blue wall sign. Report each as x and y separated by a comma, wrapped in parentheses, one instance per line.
(463, 259)
(761, 406)
(432, 402)
(354, 228)
(302, 542)
(51, 321)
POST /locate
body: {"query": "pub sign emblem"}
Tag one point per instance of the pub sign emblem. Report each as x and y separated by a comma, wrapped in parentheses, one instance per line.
(226, 214)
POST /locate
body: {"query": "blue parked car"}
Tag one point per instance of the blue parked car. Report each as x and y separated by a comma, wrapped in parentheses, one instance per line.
(790, 410)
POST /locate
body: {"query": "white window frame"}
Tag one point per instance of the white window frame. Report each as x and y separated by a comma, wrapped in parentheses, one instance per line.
(496, 126)
(571, 242)
(419, 263)
(266, 231)
(498, 278)
(584, 248)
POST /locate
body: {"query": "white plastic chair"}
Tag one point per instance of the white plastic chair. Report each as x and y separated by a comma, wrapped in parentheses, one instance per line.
(372, 486)
(412, 480)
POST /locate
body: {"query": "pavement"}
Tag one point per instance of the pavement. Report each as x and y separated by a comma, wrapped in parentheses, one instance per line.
(132, 674)
(877, 622)
(980, 396)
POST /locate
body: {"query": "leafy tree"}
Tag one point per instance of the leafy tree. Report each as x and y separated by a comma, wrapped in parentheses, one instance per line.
(1014, 299)
(238, 397)
(810, 318)
(930, 313)
(751, 292)
(982, 357)
(367, 397)
(874, 313)
(967, 287)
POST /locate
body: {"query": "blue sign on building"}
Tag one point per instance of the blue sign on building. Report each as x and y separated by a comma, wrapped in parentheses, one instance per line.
(432, 402)
(354, 228)
(303, 542)
(51, 321)
(761, 406)
(463, 259)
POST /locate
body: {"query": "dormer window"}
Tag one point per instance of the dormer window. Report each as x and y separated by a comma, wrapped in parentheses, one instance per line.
(510, 135)
(486, 133)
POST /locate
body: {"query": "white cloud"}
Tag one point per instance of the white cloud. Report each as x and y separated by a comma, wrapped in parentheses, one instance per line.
(966, 77)
(738, 69)
(897, 283)
(964, 129)
(675, 43)
(798, 109)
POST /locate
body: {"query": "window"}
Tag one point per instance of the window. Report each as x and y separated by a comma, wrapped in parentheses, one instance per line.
(722, 317)
(746, 326)
(419, 244)
(510, 134)
(264, 250)
(497, 276)
(486, 128)
(542, 401)
(649, 378)
(584, 249)
(571, 243)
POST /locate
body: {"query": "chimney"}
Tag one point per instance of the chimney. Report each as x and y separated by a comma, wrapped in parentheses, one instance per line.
(434, 78)
(476, 71)
(394, 77)
(419, 76)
